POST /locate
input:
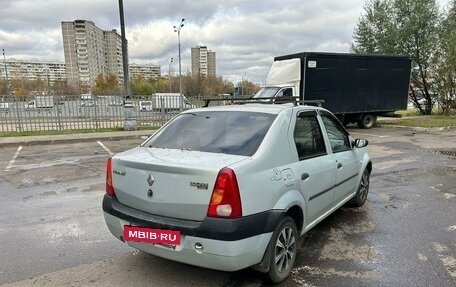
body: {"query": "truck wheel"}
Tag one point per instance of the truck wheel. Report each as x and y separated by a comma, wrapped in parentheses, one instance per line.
(283, 248)
(367, 121)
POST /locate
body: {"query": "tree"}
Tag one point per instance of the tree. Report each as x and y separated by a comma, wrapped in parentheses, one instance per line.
(21, 92)
(106, 86)
(112, 85)
(248, 87)
(445, 61)
(3, 85)
(100, 85)
(407, 27)
(417, 24)
(139, 86)
(375, 32)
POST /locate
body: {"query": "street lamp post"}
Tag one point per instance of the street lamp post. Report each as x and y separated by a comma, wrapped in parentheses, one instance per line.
(178, 29)
(6, 72)
(169, 73)
(48, 82)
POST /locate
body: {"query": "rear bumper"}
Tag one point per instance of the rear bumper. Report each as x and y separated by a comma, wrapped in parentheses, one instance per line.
(211, 228)
(227, 244)
(215, 254)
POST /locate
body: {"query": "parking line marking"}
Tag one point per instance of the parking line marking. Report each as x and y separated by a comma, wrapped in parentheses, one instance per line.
(11, 163)
(105, 148)
(369, 135)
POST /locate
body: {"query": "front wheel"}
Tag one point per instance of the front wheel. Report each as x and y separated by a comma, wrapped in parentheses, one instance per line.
(361, 195)
(283, 248)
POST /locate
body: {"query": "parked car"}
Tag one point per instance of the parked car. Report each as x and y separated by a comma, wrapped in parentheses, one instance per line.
(116, 102)
(145, 106)
(4, 106)
(231, 187)
(88, 103)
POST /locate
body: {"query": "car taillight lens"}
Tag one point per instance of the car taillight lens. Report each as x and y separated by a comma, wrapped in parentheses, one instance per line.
(109, 187)
(225, 201)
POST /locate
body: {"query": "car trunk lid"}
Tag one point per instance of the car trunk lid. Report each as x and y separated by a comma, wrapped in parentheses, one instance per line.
(168, 182)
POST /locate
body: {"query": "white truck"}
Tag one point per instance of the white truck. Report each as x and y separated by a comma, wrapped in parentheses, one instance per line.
(41, 102)
(170, 102)
(356, 88)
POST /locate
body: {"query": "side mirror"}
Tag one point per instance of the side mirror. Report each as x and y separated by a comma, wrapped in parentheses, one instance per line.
(359, 143)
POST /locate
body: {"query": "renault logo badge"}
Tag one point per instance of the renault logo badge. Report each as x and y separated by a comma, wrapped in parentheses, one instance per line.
(150, 180)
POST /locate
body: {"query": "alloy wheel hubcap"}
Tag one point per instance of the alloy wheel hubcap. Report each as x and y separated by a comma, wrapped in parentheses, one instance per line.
(364, 186)
(285, 249)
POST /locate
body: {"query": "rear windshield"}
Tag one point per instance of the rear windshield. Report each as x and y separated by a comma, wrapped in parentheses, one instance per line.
(237, 133)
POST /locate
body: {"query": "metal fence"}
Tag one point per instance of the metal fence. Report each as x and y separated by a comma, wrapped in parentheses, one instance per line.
(43, 113)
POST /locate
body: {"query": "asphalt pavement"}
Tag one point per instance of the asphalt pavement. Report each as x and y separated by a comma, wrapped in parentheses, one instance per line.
(52, 231)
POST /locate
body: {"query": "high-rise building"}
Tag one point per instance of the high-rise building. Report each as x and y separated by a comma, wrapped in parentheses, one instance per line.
(114, 54)
(90, 51)
(203, 61)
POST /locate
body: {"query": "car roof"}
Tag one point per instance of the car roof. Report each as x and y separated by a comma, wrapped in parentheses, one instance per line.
(257, 107)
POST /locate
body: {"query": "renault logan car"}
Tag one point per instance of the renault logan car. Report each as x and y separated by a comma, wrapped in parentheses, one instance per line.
(231, 187)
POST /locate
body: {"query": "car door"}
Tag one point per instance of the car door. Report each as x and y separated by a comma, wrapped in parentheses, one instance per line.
(315, 168)
(345, 157)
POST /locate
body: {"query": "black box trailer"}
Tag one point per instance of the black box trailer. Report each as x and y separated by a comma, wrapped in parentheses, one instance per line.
(357, 88)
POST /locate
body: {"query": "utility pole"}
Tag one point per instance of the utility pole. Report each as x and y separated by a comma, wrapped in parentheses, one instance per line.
(178, 29)
(130, 116)
(124, 52)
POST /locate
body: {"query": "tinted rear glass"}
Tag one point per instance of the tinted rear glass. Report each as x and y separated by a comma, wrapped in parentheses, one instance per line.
(238, 133)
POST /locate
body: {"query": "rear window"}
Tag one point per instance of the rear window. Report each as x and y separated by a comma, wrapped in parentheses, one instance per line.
(237, 133)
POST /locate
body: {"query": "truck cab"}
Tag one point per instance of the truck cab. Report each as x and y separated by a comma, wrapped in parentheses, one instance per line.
(270, 91)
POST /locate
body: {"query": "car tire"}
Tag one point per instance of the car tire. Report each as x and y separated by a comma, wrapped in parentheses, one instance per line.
(282, 250)
(361, 194)
(367, 121)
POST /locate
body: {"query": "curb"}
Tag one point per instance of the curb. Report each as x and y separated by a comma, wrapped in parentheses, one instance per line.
(418, 129)
(72, 138)
(123, 135)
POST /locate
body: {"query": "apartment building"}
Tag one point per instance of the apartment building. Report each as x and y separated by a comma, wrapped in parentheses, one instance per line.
(33, 70)
(203, 61)
(146, 71)
(90, 51)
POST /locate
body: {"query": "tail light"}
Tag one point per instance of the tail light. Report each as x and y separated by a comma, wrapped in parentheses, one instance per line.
(225, 201)
(109, 187)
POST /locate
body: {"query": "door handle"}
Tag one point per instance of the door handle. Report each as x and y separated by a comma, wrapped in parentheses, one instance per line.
(339, 165)
(305, 176)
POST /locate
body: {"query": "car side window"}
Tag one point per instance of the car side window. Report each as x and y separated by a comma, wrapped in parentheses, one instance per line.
(308, 137)
(338, 138)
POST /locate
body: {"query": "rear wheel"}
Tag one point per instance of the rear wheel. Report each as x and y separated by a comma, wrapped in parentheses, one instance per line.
(367, 121)
(361, 195)
(283, 248)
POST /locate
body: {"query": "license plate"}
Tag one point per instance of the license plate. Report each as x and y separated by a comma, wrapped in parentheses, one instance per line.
(150, 235)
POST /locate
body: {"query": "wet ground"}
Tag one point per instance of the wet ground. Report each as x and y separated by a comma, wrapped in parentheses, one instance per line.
(52, 231)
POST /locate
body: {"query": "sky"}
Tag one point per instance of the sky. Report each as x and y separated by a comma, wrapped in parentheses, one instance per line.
(246, 35)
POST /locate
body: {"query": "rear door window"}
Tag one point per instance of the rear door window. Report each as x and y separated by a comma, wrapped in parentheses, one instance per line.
(237, 133)
(308, 137)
